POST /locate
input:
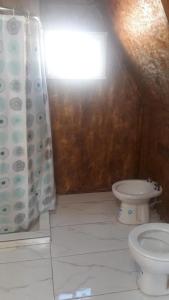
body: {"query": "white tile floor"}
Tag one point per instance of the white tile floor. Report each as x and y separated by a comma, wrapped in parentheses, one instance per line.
(88, 258)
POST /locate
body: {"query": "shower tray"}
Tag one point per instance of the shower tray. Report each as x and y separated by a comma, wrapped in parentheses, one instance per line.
(39, 233)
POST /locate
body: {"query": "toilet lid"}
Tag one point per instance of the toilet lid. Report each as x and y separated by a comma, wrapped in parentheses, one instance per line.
(151, 240)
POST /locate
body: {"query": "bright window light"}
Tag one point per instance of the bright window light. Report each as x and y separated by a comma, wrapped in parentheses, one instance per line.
(75, 55)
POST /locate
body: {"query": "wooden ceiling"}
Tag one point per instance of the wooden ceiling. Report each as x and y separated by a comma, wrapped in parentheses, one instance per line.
(166, 7)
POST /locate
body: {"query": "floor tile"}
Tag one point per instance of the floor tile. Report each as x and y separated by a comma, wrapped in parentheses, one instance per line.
(79, 239)
(90, 254)
(96, 273)
(72, 212)
(131, 295)
(86, 197)
(87, 208)
(31, 280)
(24, 253)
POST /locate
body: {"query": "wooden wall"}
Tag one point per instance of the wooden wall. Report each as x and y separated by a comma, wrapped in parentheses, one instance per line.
(143, 29)
(96, 126)
(166, 7)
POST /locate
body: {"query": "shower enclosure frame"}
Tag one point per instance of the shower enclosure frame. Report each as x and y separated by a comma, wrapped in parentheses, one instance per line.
(14, 12)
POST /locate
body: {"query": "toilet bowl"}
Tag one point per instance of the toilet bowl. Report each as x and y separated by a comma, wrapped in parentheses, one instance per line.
(134, 196)
(149, 246)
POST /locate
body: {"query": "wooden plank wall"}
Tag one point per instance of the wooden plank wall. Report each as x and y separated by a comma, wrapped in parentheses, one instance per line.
(96, 127)
(144, 32)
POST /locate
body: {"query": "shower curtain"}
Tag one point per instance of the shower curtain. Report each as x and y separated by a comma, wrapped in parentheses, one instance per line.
(26, 164)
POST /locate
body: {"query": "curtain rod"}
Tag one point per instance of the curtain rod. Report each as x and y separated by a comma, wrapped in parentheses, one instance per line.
(16, 12)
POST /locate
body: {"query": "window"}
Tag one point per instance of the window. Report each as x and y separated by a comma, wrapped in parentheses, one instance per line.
(75, 55)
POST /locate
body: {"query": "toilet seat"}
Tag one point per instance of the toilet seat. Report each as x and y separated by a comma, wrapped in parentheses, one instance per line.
(141, 230)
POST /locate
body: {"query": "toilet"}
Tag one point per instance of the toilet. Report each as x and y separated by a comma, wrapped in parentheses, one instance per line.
(134, 196)
(149, 246)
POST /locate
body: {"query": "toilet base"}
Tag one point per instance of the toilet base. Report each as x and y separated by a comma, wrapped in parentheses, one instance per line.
(134, 214)
(153, 284)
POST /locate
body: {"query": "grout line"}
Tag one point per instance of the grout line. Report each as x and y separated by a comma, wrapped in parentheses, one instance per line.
(77, 202)
(78, 224)
(51, 259)
(85, 201)
(24, 260)
(97, 223)
(93, 252)
(103, 294)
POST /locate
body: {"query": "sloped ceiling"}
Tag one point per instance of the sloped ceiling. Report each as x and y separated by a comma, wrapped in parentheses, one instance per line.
(166, 7)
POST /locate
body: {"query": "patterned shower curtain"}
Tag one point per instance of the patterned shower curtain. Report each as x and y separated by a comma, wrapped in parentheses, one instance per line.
(26, 164)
